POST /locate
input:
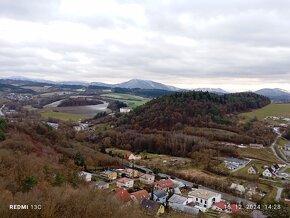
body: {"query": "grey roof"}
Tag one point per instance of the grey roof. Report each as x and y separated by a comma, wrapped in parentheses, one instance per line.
(178, 199)
(288, 145)
(276, 166)
(186, 209)
(150, 206)
(101, 182)
(160, 193)
(236, 160)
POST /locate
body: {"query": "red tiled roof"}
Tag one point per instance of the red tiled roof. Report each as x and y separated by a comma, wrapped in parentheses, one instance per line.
(140, 195)
(164, 183)
(122, 195)
(220, 205)
(234, 208)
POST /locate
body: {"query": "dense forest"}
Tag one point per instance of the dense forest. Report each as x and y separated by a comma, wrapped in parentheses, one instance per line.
(40, 166)
(116, 105)
(183, 123)
(192, 108)
(79, 102)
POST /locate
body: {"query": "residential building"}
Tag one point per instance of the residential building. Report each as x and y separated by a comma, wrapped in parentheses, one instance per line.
(125, 110)
(86, 176)
(269, 172)
(147, 179)
(152, 207)
(131, 173)
(134, 157)
(109, 175)
(102, 184)
(257, 146)
(138, 196)
(219, 206)
(204, 198)
(287, 147)
(160, 196)
(253, 170)
(257, 214)
(275, 167)
(122, 195)
(125, 182)
(178, 199)
(164, 184)
(238, 188)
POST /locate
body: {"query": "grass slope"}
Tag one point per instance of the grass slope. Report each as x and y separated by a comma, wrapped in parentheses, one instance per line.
(63, 116)
(269, 110)
(131, 100)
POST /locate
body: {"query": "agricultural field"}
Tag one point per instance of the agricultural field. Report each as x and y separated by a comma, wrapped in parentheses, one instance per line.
(132, 101)
(264, 154)
(269, 110)
(62, 116)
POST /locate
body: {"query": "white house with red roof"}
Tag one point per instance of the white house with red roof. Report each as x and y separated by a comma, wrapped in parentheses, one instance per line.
(219, 206)
(125, 182)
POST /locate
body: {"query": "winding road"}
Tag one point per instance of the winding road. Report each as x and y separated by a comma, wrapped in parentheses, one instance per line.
(1, 112)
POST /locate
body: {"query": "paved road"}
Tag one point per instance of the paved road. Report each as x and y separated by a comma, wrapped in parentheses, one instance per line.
(274, 151)
(1, 112)
(279, 192)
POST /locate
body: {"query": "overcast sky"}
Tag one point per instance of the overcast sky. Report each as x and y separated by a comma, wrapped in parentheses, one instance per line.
(231, 44)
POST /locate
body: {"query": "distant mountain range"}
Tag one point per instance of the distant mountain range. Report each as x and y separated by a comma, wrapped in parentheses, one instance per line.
(276, 95)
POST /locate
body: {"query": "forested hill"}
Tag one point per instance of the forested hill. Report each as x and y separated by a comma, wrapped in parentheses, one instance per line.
(192, 108)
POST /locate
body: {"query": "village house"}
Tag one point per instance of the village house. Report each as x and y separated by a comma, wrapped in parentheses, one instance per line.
(234, 163)
(134, 157)
(275, 167)
(164, 184)
(238, 188)
(257, 146)
(109, 175)
(269, 172)
(178, 199)
(257, 214)
(138, 196)
(131, 173)
(204, 198)
(81, 127)
(125, 182)
(102, 184)
(86, 176)
(252, 189)
(160, 196)
(125, 110)
(253, 170)
(219, 206)
(152, 207)
(147, 179)
(122, 195)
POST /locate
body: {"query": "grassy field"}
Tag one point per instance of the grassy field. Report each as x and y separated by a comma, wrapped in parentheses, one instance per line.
(264, 154)
(62, 116)
(244, 170)
(269, 110)
(131, 100)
